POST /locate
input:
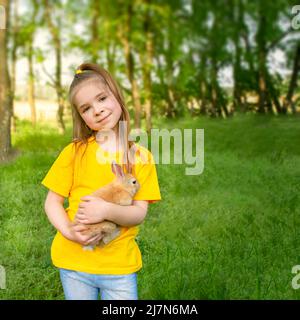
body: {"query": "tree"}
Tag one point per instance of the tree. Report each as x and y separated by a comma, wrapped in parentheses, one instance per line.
(15, 44)
(146, 62)
(5, 90)
(293, 82)
(95, 41)
(30, 56)
(27, 30)
(125, 35)
(55, 30)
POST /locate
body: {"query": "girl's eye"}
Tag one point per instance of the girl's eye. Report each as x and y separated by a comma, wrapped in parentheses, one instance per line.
(85, 109)
(102, 99)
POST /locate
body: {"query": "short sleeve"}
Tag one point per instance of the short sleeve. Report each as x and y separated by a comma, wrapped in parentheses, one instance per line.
(147, 177)
(60, 176)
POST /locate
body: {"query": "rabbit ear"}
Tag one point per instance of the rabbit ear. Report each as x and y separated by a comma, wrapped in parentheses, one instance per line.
(117, 170)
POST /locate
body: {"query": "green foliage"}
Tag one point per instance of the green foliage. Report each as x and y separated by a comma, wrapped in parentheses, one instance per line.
(185, 46)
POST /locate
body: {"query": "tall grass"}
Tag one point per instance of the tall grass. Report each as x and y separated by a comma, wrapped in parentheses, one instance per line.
(230, 233)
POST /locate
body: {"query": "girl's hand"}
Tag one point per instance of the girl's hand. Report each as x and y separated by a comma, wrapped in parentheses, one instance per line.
(75, 234)
(91, 210)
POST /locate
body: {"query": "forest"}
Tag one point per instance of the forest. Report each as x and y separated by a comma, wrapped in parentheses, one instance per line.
(211, 58)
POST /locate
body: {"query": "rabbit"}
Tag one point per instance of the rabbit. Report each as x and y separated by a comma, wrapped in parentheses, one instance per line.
(120, 191)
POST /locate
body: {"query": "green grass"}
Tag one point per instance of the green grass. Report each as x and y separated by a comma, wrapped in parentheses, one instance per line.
(230, 233)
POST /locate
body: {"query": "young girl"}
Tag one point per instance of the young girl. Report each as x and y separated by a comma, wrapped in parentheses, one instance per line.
(97, 107)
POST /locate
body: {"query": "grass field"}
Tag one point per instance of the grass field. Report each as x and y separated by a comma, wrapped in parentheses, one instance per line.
(232, 232)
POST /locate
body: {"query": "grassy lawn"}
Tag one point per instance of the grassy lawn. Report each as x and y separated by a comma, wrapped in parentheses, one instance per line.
(232, 232)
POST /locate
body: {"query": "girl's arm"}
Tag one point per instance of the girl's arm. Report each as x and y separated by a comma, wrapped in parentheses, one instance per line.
(127, 216)
(57, 214)
(60, 220)
(95, 210)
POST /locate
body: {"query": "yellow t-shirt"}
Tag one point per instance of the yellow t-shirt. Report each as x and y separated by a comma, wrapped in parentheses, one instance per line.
(75, 177)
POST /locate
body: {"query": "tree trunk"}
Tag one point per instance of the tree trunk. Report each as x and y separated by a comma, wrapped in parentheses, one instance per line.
(216, 94)
(31, 77)
(126, 41)
(248, 54)
(146, 67)
(237, 102)
(203, 89)
(14, 60)
(110, 57)
(273, 93)
(59, 89)
(168, 103)
(293, 82)
(55, 32)
(95, 44)
(203, 85)
(170, 112)
(262, 86)
(264, 94)
(5, 91)
(31, 89)
(109, 42)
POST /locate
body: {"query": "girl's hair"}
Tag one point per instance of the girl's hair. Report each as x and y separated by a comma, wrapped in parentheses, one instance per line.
(89, 72)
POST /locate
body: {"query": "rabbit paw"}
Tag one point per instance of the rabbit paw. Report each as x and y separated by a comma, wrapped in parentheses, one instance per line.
(109, 237)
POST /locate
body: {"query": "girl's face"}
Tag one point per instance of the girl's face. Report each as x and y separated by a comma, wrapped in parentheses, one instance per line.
(98, 106)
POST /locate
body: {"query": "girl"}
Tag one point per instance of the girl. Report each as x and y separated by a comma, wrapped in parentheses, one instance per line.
(97, 107)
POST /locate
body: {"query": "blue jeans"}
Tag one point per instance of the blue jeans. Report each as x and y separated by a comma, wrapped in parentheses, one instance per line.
(85, 286)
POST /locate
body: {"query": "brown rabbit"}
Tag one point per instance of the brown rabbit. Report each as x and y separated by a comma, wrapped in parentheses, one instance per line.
(121, 191)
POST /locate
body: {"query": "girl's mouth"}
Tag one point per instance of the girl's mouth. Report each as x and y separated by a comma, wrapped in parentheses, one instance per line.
(104, 119)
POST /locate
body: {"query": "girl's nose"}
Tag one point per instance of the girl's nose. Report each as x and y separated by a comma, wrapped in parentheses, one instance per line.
(98, 110)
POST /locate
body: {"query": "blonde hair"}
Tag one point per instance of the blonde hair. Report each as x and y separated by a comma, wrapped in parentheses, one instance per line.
(87, 72)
